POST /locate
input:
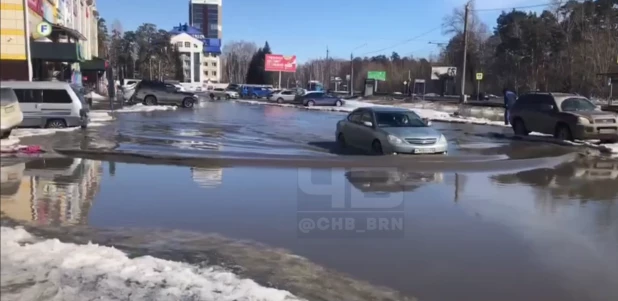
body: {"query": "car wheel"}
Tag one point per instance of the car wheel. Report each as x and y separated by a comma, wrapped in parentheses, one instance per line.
(187, 103)
(55, 124)
(376, 148)
(338, 103)
(218, 97)
(563, 133)
(519, 128)
(341, 141)
(310, 103)
(150, 100)
(253, 96)
(227, 97)
(280, 100)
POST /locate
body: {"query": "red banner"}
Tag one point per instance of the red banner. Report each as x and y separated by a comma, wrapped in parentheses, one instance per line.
(277, 62)
(36, 6)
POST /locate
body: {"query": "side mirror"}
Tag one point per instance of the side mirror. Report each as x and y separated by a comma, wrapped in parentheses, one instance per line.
(367, 124)
(427, 121)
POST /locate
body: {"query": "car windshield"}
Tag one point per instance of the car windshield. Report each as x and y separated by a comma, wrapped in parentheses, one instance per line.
(577, 104)
(399, 119)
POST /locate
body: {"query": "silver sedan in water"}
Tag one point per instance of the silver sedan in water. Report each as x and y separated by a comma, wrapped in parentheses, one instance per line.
(388, 130)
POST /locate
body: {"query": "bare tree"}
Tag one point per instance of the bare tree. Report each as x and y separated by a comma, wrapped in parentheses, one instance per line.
(236, 58)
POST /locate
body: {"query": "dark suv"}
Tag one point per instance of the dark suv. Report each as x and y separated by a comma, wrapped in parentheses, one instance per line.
(566, 116)
(162, 93)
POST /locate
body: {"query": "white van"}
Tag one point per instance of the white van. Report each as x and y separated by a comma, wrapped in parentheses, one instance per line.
(50, 104)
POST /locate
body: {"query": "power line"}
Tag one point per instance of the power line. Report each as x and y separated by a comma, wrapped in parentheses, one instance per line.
(516, 7)
(403, 42)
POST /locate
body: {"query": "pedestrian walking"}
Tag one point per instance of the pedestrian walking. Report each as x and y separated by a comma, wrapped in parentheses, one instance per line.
(509, 101)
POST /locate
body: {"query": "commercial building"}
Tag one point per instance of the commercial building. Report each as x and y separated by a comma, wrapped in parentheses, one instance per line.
(205, 15)
(192, 55)
(57, 37)
(211, 49)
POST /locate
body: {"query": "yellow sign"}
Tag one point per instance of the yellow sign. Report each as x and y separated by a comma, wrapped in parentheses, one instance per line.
(479, 76)
(44, 29)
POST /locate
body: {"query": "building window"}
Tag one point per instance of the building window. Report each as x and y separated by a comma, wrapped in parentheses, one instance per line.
(178, 44)
(195, 45)
(214, 64)
(206, 73)
(214, 73)
(187, 44)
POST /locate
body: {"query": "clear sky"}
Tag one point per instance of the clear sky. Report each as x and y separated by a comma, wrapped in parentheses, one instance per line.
(307, 27)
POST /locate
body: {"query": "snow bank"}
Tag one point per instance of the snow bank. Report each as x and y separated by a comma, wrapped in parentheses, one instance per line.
(10, 141)
(435, 115)
(37, 269)
(142, 108)
(95, 96)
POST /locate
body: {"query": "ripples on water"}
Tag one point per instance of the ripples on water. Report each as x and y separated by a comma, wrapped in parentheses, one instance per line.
(552, 238)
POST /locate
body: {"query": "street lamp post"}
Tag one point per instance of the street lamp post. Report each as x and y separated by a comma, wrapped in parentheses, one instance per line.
(351, 83)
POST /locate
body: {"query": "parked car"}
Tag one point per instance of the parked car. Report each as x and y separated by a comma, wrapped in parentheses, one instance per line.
(283, 96)
(387, 130)
(162, 93)
(220, 93)
(12, 116)
(318, 99)
(50, 104)
(566, 116)
(257, 92)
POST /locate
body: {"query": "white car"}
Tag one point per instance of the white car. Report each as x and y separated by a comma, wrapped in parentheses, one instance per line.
(284, 96)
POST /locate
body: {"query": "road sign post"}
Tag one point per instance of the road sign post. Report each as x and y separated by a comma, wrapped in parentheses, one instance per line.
(479, 78)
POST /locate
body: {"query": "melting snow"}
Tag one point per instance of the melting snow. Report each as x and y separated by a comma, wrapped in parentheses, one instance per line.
(95, 96)
(36, 269)
(142, 108)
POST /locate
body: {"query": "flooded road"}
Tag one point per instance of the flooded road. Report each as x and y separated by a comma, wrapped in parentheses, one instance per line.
(545, 234)
(236, 130)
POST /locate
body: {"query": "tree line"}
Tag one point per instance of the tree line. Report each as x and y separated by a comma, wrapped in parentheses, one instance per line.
(144, 53)
(563, 48)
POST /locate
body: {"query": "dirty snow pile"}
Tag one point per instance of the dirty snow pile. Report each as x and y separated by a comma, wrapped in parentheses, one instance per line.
(96, 119)
(142, 108)
(95, 96)
(36, 269)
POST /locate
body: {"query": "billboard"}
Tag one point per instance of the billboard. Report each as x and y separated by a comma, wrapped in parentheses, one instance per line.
(280, 63)
(437, 72)
(377, 75)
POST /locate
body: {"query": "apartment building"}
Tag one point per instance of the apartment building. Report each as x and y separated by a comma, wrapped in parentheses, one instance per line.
(55, 36)
(211, 49)
(192, 56)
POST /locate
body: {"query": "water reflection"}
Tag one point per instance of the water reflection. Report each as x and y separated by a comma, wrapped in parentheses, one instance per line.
(207, 177)
(50, 191)
(584, 179)
(390, 180)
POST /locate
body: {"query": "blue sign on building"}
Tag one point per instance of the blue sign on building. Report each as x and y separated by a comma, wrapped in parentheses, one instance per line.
(210, 45)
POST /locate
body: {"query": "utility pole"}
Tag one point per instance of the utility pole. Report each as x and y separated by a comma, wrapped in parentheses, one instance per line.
(327, 70)
(351, 84)
(465, 54)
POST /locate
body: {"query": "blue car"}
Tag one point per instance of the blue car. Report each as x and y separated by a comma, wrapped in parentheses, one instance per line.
(257, 92)
(319, 99)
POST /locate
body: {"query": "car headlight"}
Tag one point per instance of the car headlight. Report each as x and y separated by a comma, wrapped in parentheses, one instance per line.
(394, 140)
(582, 120)
(442, 139)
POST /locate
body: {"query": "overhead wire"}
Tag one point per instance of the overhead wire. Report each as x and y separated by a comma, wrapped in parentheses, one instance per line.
(473, 10)
(517, 7)
(403, 42)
